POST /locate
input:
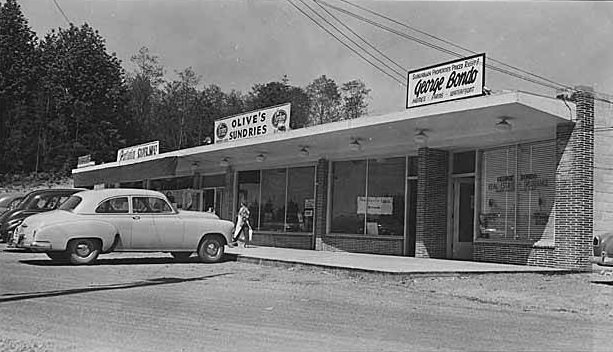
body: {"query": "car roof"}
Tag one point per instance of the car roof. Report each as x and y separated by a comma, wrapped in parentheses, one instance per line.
(91, 198)
(54, 190)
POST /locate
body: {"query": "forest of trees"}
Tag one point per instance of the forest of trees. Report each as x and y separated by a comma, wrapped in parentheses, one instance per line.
(64, 96)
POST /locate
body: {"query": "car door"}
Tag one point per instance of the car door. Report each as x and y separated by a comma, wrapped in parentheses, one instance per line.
(156, 225)
(116, 211)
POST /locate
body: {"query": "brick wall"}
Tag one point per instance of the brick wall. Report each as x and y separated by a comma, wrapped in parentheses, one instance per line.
(321, 201)
(296, 241)
(227, 208)
(514, 253)
(575, 187)
(603, 162)
(356, 244)
(432, 183)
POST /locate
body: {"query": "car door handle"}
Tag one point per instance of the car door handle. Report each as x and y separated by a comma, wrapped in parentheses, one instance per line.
(136, 217)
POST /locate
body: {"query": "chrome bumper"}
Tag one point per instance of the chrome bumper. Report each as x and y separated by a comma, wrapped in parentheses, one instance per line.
(35, 246)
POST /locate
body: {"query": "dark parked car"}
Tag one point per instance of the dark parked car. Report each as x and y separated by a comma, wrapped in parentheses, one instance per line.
(33, 203)
(9, 201)
(603, 248)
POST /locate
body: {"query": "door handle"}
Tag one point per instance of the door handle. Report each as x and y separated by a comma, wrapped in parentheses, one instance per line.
(136, 217)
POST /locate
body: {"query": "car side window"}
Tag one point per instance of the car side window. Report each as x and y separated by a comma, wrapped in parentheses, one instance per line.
(150, 205)
(114, 206)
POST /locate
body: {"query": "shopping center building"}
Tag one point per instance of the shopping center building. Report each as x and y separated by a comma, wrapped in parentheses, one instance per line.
(503, 177)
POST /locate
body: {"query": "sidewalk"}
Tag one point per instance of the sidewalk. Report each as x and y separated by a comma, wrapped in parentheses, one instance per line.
(380, 264)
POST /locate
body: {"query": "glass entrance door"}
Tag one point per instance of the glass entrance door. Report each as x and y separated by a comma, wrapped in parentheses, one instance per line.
(463, 217)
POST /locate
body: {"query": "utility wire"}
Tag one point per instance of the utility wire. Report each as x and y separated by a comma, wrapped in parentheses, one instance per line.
(451, 43)
(352, 41)
(345, 44)
(553, 85)
(62, 12)
(357, 35)
(434, 46)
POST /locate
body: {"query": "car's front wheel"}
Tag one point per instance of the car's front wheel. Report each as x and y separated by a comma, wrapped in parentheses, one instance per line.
(181, 255)
(58, 256)
(211, 249)
(83, 251)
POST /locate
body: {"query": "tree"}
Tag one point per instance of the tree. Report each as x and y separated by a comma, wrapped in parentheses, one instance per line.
(325, 101)
(86, 95)
(177, 112)
(18, 86)
(143, 94)
(275, 93)
(355, 99)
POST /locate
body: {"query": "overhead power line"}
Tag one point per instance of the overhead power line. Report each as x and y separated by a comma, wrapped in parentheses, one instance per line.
(525, 75)
(364, 40)
(62, 11)
(342, 42)
(451, 43)
(431, 45)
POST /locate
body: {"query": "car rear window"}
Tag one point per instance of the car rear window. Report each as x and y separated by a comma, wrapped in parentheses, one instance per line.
(70, 203)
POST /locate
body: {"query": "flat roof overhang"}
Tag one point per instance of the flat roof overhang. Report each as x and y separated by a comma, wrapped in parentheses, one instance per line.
(455, 125)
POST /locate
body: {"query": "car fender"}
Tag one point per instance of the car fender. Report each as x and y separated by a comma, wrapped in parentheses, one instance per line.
(196, 230)
(59, 234)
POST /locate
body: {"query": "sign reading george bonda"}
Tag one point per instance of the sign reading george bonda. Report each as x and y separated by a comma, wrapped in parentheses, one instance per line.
(453, 80)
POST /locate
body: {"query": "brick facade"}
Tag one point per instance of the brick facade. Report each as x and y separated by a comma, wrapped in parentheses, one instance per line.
(361, 244)
(321, 201)
(575, 188)
(432, 194)
(227, 208)
(573, 205)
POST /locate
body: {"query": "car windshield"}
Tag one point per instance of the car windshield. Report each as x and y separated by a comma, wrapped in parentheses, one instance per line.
(70, 203)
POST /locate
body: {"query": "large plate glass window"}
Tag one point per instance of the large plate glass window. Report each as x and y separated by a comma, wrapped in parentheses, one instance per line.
(518, 191)
(368, 197)
(280, 200)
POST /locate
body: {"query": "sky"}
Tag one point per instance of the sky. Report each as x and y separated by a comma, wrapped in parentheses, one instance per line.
(236, 44)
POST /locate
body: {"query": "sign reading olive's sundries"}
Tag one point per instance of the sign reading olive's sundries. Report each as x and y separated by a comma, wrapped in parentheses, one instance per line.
(253, 124)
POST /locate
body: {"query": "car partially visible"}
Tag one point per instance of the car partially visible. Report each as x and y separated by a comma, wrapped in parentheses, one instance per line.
(34, 202)
(10, 201)
(603, 248)
(95, 222)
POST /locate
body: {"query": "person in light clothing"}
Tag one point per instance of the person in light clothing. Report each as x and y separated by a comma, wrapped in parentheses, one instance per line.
(242, 223)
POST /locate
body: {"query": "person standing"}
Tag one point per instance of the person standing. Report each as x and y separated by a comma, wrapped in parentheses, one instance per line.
(242, 223)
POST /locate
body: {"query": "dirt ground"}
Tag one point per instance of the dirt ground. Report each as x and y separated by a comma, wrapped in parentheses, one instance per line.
(589, 295)
(586, 298)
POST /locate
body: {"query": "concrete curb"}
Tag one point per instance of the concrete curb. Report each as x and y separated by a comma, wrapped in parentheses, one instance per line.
(396, 274)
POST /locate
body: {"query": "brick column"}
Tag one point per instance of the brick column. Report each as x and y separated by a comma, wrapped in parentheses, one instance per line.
(321, 201)
(228, 208)
(575, 186)
(432, 185)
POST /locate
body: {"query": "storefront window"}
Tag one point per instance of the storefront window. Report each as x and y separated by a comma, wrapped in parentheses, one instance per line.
(385, 210)
(273, 200)
(348, 185)
(300, 199)
(284, 198)
(249, 192)
(518, 190)
(368, 197)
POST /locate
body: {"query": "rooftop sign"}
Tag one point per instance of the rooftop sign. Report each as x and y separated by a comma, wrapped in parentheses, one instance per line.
(253, 124)
(138, 151)
(463, 78)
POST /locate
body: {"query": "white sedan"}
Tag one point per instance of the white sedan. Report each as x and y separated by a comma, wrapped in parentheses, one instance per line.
(124, 220)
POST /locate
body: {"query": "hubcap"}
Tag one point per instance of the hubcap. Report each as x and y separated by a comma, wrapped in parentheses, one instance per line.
(212, 248)
(83, 250)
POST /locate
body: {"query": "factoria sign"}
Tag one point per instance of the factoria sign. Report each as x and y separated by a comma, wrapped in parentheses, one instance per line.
(138, 151)
(253, 124)
(453, 80)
